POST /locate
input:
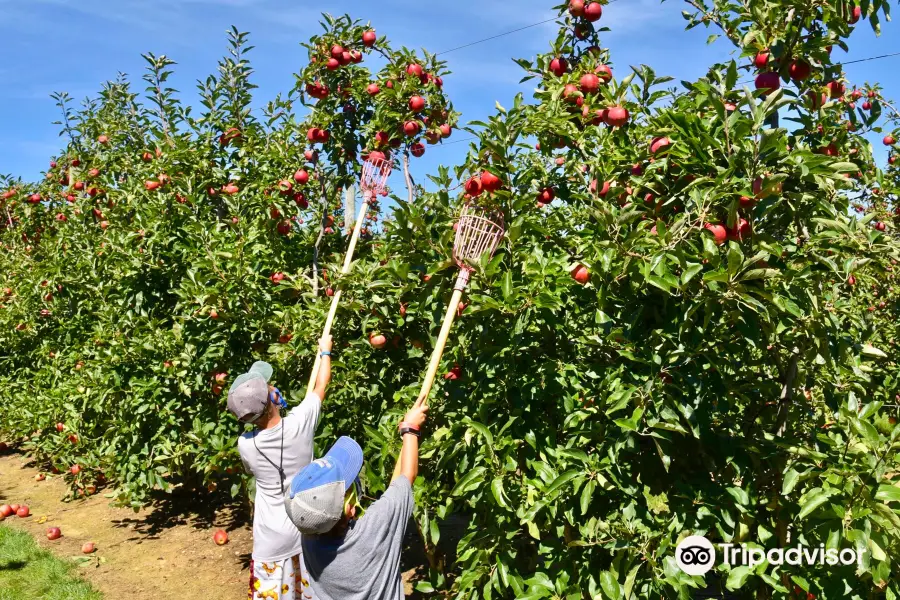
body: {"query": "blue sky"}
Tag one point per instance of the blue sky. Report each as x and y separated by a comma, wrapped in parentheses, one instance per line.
(75, 45)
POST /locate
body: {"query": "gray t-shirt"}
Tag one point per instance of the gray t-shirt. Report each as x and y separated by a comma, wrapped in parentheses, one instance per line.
(364, 564)
(274, 535)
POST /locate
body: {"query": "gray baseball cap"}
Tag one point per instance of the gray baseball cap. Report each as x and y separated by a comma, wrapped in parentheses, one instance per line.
(248, 397)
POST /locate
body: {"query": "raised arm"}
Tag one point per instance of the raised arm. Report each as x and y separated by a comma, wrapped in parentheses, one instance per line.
(408, 461)
(324, 376)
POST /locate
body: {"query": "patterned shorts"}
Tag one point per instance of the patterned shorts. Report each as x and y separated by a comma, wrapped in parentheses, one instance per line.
(279, 580)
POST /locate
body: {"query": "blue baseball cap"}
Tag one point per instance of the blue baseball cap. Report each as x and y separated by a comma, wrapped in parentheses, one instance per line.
(315, 500)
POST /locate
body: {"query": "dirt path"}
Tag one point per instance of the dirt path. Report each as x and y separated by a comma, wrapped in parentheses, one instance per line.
(155, 553)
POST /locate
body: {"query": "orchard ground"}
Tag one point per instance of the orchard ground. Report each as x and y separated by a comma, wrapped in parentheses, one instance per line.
(163, 551)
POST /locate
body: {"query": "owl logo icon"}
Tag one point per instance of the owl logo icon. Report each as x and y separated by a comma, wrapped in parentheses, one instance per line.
(695, 555)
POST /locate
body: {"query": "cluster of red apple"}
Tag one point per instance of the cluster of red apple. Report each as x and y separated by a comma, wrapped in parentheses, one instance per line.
(415, 123)
(585, 13)
(14, 510)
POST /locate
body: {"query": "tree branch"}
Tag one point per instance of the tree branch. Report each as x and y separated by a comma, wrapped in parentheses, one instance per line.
(787, 392)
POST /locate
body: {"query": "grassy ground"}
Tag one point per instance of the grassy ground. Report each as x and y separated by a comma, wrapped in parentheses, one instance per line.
(29, 573)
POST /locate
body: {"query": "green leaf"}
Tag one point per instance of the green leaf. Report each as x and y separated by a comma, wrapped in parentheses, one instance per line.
(562, 480)
(587, 494)
(689, 273)
(610, 585)
(790, 481)
(506, 285)
(737, 577)
(888, 493)
(816, 498)
(870, 350)
(497, 489)
(475, 476)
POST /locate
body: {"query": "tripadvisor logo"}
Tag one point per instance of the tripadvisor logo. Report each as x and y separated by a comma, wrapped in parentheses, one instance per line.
(696, 555)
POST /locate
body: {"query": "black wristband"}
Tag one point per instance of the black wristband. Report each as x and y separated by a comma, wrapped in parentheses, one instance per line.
(406, 430)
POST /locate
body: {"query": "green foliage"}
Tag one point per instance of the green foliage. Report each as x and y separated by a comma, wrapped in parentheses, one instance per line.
(727, 368)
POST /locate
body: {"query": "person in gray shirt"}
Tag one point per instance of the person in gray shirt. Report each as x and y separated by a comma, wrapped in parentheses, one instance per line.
(350, 558)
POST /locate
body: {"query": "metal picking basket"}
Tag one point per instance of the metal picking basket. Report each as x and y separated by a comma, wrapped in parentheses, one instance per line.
(478, 230)
(374, 176)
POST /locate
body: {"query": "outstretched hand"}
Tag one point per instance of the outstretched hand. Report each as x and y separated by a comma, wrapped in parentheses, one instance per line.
(417, 414)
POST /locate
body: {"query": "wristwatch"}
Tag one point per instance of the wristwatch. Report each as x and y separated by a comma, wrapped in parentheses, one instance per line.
(325, 353)
(406, 427)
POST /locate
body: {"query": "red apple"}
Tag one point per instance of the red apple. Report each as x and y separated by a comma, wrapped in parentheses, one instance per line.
(659, 143)
(284, 228)
(718, 231)
(590, 83)
(616, 116)
(411, 128)
(559, 66)
(88, 548)
(761, 60)
(103, 139)
(329, 292)
(851, 280)
(53, 533)
(23, 512)
(60, 426)
(768, 82)
(149, 185)
(741, 230)
(369, 38)
(301, 177)
(417, 104)
(414, 70)
(855, 15)
(40, 477)
(604, 73)
(75, 469)
(6, 511)
(417, 149)
(213, 314)
(835, 89)
(231, 189)
(474, 187)
(576, 8)
(490, 182)
(580, 274)
(593, 11)
(546, 195)
(454, 373)
(879, 226)
(888, 140)
(377, 340)
(799, 70)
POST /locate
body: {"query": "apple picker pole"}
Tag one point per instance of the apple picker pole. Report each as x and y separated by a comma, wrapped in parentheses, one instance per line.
(478, 231)
(374, 178)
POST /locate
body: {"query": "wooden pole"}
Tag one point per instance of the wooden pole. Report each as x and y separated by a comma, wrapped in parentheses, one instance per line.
(349, 207)
(348, 260)
(461, 283)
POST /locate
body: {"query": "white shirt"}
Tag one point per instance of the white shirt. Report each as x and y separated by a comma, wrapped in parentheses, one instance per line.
(274, 535)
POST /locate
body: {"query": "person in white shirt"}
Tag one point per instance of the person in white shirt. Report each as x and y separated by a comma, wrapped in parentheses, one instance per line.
(277, 446)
